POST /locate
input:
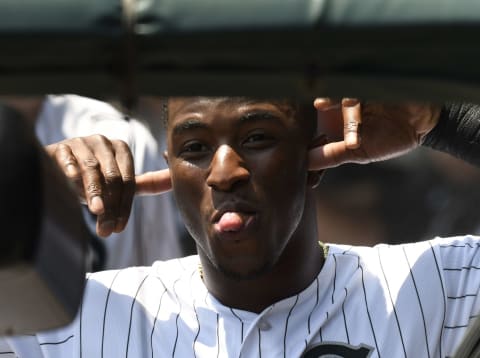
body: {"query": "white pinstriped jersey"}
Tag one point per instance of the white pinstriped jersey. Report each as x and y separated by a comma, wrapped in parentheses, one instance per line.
(412, 300)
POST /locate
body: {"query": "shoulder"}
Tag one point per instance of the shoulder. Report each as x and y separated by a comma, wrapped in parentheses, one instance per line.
(77, 103)
(77, 116)
(422, 260)
(459, 247)
(162, 274)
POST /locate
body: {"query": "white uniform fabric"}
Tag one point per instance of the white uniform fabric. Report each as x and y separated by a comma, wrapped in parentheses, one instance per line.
(412, 300)
(151, 232)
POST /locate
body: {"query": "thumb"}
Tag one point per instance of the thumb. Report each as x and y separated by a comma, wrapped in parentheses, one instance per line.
(153, 182)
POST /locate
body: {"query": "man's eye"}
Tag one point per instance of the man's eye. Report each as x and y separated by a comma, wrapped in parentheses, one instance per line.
(194, 148)
(256, 140)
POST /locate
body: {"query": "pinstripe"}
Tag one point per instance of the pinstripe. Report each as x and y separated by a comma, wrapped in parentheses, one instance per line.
(320, 330)
(344, 318)
(392, 302)
(461, 268)
(198, 330)
(347, 250)
(105, 310)
(80, 319)
(419, 302)
(218, 337)
(196, 316)
(462, 296)
(156, 316)
(259, 344)
(459, 325)
(314, 307)
(463, 325)
(334, 276)
(286, 327)
(366, 306)
(365, 298)
(460, 246)
(80, 312)
(233, 312)
(443, 296)
(56, 343)
(176, 318)
(131, 313)
(311, 312)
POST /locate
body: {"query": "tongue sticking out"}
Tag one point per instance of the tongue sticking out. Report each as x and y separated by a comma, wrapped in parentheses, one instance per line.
(231, 222)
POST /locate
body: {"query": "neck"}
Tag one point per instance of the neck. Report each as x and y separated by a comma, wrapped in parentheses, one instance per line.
(296, 268)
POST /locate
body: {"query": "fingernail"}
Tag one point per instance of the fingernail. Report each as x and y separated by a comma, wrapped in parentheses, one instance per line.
(120, 224)
(350, 102)
(96, 205)
(71, 170)
(107, 227)
(322, 102)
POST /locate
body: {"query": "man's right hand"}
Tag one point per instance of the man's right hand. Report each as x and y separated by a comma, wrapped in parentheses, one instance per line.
(104, 176)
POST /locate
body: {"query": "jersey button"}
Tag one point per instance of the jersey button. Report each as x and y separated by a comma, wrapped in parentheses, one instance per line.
(263, 325)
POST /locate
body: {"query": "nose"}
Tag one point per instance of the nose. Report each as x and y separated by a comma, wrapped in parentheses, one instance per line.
(226, 169)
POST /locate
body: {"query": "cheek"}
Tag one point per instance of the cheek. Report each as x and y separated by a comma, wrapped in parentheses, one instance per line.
(188, 190)
(284, 183)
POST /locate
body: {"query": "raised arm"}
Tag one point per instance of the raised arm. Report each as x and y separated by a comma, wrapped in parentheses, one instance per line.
(371, 131)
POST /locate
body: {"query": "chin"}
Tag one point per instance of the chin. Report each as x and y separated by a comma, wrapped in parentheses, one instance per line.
(248, 273)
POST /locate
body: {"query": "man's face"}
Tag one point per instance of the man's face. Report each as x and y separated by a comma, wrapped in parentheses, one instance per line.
(239, 174)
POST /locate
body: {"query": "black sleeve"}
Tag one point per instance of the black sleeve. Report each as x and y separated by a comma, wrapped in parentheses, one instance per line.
(457, 132)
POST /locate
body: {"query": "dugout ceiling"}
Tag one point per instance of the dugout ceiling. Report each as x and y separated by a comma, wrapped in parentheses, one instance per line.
(383, 49)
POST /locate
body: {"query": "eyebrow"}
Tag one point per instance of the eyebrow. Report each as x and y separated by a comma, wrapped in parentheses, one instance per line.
(188, 125)
(259, 115)
(253, 116)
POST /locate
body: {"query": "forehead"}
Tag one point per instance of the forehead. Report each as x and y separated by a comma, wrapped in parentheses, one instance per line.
(181, 105)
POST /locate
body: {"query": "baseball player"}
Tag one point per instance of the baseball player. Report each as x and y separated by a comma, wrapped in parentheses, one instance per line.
(242, 171)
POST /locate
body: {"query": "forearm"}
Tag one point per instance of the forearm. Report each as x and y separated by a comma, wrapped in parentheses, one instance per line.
(457, 132)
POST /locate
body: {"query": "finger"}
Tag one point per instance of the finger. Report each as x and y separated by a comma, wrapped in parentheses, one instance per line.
(112, 183)
(125, 164)
(78, 163)
(68, 164)
(92, 178)
(329, 156)
(153, 182)
(322, 103)
(329, 119)
(352, 119)
(105, 225)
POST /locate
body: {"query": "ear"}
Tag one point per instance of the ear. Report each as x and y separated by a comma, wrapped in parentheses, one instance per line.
(165, 156)
(314, 177)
